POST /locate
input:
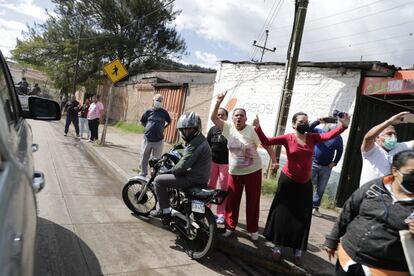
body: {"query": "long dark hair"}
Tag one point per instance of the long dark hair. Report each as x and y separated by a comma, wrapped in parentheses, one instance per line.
(296, 115)
(401, 158)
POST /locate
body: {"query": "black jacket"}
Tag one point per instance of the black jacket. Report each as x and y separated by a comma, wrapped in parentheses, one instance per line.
(369, 225)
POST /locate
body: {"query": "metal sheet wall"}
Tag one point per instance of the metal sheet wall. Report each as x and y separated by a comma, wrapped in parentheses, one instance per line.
(174, 101)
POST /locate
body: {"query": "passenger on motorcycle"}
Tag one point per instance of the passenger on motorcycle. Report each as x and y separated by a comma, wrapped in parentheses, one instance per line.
(192, 170)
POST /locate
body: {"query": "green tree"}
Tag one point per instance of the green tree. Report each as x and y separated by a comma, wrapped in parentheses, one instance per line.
(139, 32)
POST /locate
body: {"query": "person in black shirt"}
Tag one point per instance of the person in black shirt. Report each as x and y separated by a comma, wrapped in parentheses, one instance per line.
(84, 119)
(72, 110)
(220, 162)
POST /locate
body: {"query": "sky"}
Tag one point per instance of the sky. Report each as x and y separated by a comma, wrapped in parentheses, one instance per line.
(214, 30)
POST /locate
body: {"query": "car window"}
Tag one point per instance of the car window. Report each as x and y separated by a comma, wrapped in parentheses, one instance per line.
(6, 96)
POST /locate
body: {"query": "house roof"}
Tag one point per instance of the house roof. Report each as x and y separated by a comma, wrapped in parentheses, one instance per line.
(370, 68)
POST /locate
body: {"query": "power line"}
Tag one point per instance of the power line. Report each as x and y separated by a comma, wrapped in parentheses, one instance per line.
(393, 53)
(356, 44)
(268, 22)
(263, 27)
(355, 34)
(361, 17)
(335, 14)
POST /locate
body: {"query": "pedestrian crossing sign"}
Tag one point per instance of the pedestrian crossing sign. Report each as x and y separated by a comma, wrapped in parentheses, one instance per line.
(115, 70)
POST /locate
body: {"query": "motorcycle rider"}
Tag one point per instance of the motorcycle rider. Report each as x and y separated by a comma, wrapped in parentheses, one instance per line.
(192, 170)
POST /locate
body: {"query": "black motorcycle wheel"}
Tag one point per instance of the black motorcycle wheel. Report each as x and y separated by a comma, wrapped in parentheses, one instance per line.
(130, 194)
(203, 243)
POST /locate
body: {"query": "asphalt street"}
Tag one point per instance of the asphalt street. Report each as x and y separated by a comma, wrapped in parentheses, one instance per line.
(84, 228)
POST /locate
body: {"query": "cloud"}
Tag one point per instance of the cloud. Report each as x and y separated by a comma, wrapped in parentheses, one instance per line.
(25, 7)
(335, 30)
(207, 59)
(10, 30)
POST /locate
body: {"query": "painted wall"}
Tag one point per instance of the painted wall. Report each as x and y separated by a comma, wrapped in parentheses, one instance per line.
(257, 88)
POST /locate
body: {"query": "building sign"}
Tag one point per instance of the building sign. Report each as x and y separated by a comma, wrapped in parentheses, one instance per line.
(401, 83)
(115, 70)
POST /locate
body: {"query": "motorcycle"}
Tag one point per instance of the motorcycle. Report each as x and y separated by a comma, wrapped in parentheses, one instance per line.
(191, 217)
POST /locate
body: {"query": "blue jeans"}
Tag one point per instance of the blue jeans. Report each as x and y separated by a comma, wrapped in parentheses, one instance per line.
(320, 178)
(74, 120)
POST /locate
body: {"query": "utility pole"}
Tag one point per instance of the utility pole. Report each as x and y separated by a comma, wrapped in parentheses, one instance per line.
(290, 71)
(264, 46)
(75, 77)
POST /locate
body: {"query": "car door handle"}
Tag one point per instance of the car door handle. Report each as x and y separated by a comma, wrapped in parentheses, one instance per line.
(17, 245)
(35, 147)
(38, 182)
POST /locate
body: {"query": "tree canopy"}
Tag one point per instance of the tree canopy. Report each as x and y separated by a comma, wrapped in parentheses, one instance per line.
(138, 32)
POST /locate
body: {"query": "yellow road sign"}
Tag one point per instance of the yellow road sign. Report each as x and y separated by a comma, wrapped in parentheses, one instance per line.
(115, 70)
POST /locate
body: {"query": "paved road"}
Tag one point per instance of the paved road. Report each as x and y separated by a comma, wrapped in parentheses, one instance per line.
(85, 229)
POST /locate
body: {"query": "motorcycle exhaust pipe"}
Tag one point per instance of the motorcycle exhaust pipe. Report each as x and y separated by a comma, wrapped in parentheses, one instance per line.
(179, 215)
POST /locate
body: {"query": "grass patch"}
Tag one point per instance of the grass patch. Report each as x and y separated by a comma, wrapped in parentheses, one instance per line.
(328, 202)
(269, 186)
(130, 127)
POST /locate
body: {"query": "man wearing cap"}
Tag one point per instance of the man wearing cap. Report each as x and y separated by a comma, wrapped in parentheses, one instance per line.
(155, 120)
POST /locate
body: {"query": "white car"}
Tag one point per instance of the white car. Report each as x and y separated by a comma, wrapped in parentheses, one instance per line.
(18, 180)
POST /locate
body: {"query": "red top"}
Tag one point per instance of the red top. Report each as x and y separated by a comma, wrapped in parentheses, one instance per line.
(299, 157)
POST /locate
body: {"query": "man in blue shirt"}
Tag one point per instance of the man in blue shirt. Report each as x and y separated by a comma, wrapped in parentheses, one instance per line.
(325, 156)
(155, 120)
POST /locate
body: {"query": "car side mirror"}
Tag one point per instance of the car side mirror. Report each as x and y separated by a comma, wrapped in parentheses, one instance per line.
(42, 109)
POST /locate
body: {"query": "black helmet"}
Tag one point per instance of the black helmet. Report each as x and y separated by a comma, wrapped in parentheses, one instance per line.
(189, 120)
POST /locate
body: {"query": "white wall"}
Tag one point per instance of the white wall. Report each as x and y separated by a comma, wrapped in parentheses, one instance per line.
(317, 92)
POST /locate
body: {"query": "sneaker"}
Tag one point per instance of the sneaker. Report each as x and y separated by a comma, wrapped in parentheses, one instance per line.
(316, 212)
(228, 233)
(90, 141)
(78, 136)
(65, 134)
(220, 219)
(254, 236)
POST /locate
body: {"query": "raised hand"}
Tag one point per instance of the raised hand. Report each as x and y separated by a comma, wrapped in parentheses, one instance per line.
(345, 120)
(256, 122)
(221, 96)
(398, 119)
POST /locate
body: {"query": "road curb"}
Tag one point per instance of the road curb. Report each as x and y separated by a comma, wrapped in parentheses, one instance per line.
(260, 257)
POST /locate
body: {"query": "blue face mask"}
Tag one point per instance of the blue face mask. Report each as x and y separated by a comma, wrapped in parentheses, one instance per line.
(390, 142)
(157, 104)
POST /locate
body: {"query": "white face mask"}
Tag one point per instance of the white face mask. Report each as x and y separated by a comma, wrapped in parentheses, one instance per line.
(157, 104)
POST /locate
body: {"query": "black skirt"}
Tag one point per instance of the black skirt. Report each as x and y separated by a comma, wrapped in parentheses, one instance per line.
(290, 215)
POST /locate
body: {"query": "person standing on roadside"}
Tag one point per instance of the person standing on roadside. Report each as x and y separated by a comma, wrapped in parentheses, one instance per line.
(379, 146)
(155, 120)
(95, 113)
(290, 215)
(220, 163)
(72, 110)
(245, 169)
(23, 86)
(83, 119)
(325, 156)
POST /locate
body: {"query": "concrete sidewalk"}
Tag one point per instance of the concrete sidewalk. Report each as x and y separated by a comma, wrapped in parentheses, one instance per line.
(121, 155)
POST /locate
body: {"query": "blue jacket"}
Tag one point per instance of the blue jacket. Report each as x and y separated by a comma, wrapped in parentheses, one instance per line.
(324, 152)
